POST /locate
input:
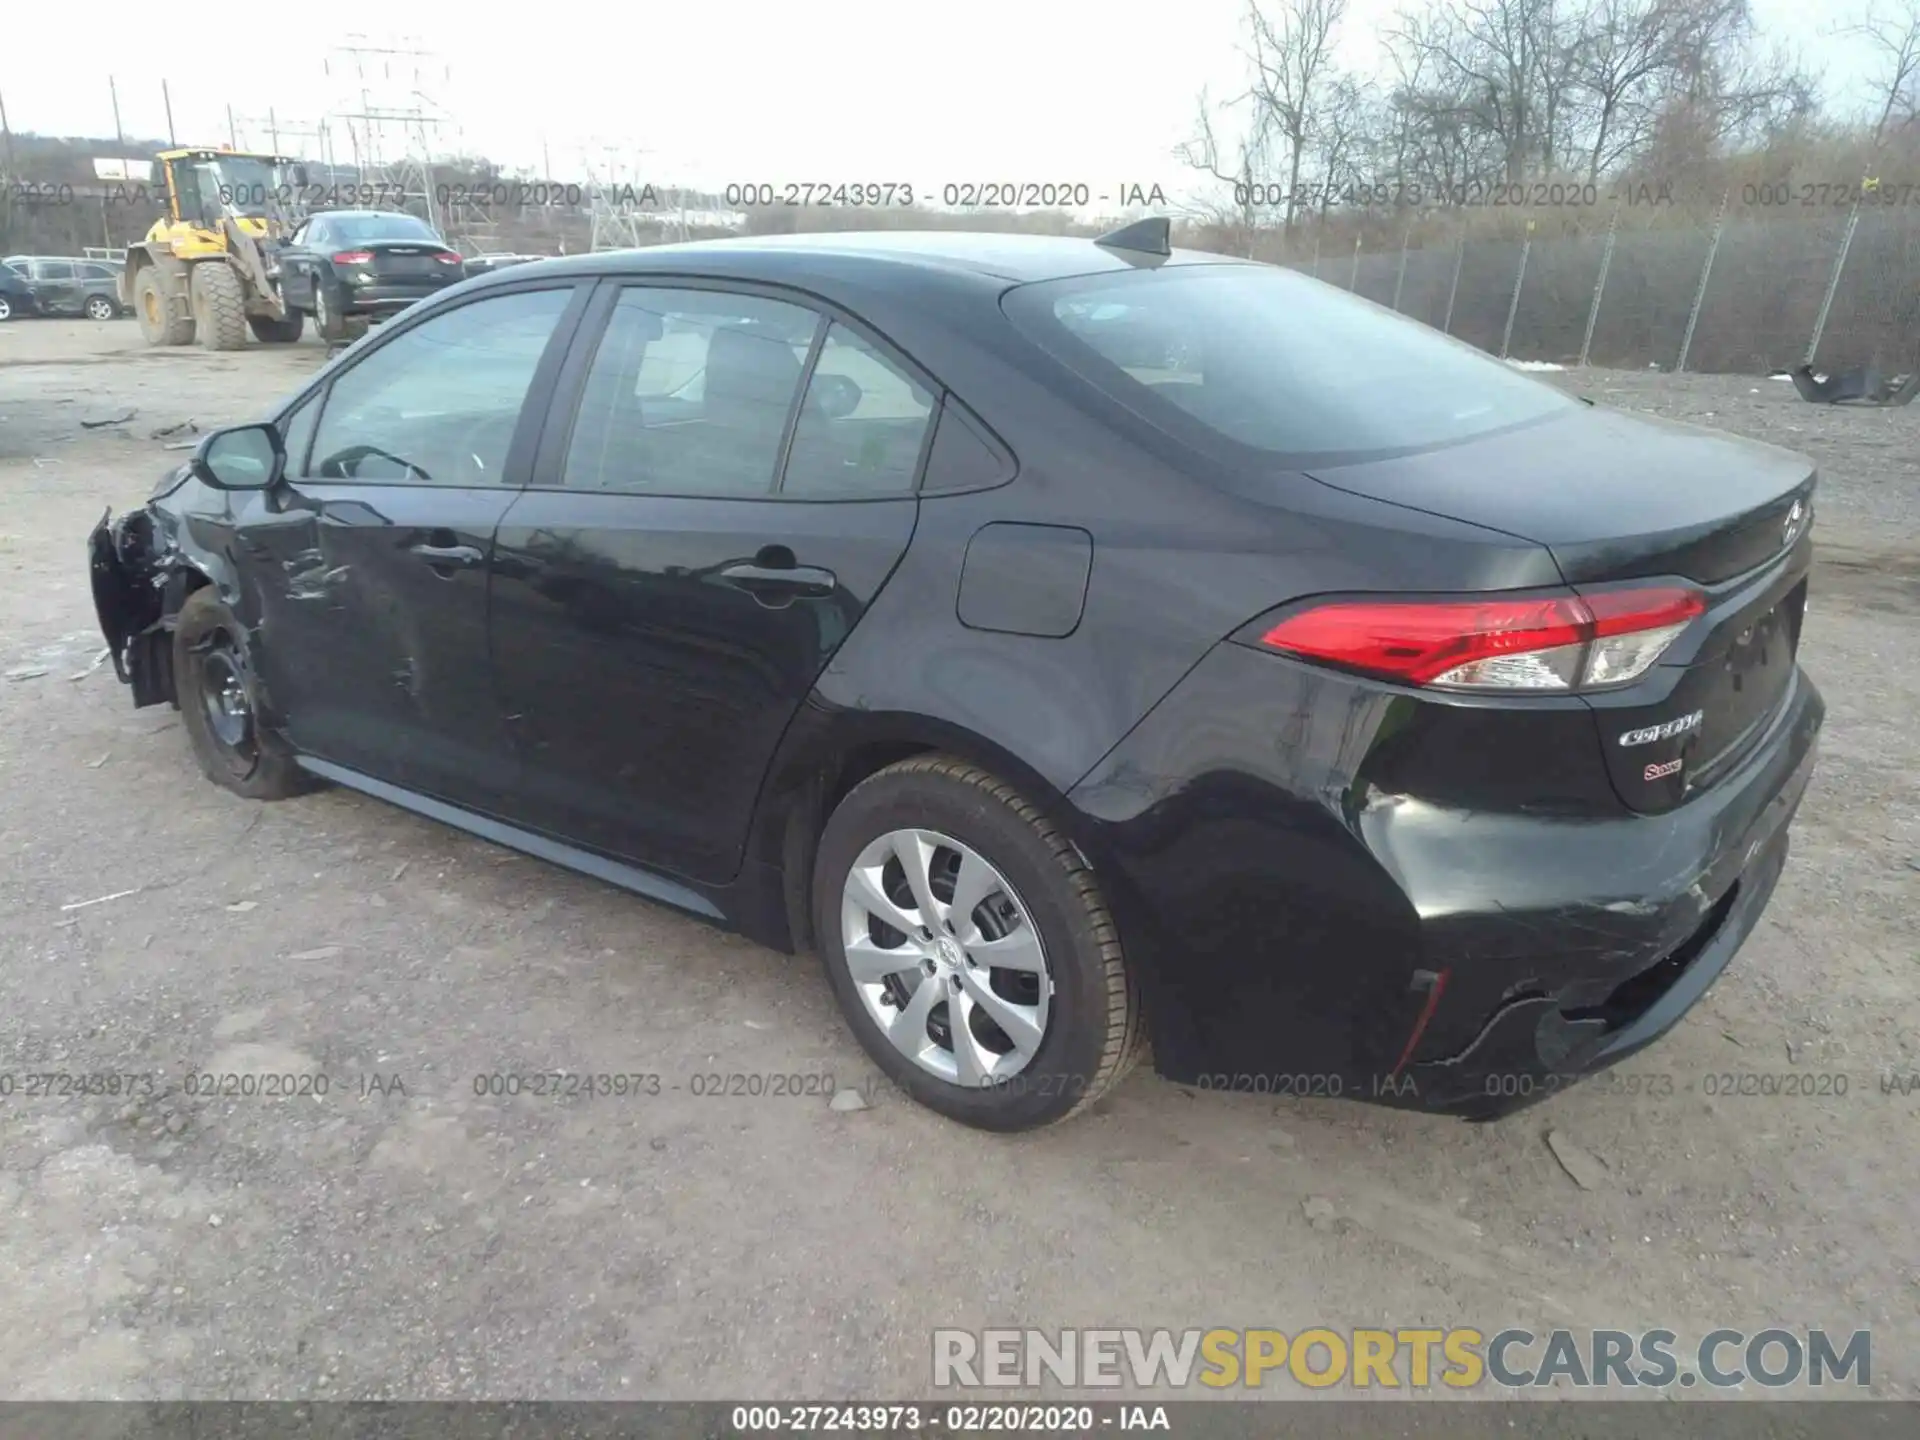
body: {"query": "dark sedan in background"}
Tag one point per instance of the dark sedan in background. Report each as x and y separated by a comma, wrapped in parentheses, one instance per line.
(1069, 641)
(349, 267)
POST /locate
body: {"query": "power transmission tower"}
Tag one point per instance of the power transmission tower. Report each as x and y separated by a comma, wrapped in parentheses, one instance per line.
(621, 205)
(392, 117)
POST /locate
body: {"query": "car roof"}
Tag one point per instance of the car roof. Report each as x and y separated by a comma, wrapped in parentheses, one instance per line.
(1013, 258)
(363, 214)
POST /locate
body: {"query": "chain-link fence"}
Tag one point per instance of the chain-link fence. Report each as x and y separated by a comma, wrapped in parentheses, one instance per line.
(1738, 291)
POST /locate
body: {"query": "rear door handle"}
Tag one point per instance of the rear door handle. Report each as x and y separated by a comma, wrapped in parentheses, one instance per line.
(779, 583)
(444, 557)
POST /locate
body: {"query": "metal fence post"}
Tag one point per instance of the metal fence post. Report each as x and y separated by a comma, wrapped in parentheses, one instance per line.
(1833, 282)
(1706, 270)
(1519, 279)
(1353, 276)
(1599, 286)
(1401, 279)
(1453, 290)
(1316, 253)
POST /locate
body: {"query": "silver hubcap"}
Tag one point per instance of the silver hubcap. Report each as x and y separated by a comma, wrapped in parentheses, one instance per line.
(100, 309)
(946, 957)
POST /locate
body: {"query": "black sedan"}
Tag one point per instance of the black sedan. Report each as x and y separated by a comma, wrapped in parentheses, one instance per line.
(348, 267)
(1068, 641)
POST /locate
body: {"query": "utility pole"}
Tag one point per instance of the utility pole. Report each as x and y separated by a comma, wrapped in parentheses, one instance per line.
(114, 91)
(6, 133)
(166, 99)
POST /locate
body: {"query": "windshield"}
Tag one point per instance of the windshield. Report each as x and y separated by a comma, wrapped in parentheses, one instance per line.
(358, 229)
(1269, 360)
(250, 187)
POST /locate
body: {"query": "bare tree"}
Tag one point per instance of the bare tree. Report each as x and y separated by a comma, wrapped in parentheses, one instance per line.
(1239, 167)
(1894, 32)
(1293, 74)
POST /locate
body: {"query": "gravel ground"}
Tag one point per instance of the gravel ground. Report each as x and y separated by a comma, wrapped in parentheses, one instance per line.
(403, 1236)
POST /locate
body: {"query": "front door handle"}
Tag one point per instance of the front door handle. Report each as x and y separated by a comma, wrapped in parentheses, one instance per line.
(448, 557)
(778, 584)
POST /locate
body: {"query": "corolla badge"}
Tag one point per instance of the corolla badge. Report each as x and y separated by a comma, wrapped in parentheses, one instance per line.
(1796, 522)
(1663, 732)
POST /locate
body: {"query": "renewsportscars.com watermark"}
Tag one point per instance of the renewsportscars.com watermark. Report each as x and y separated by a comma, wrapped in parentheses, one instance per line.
(1402, 1359)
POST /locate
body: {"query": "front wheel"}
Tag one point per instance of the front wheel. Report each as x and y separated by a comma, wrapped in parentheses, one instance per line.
(219, 704)
(6, 309)
(101, 308)
(970, 949)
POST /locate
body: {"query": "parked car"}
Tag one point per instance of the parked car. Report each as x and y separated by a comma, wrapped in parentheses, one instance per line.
(348, 267)
(16, 291)
(63, 285)
(1349, 711)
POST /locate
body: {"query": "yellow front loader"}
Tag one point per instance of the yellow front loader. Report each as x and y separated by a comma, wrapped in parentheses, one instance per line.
(208, 269)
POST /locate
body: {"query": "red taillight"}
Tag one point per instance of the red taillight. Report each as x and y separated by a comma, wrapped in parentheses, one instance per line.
(352, 257)
(1559, 643)
(448, 257)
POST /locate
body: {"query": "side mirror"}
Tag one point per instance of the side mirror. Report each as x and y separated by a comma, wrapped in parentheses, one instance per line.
(243, 457)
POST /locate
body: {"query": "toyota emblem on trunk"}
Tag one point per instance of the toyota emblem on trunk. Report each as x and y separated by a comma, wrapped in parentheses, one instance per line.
(1796, 522)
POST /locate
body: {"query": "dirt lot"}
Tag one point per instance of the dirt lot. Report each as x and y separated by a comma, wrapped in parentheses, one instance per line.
(420, 1240)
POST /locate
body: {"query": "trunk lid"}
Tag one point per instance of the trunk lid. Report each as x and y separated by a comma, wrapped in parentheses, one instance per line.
(1617, 498)
(1613, 496)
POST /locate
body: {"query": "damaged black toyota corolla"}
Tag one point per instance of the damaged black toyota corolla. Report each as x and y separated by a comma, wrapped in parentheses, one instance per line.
(1069, 641)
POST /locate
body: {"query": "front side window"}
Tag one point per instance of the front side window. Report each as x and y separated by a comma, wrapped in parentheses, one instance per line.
(862, 426)
(689, 393)
(1275, 364)
(438, 405)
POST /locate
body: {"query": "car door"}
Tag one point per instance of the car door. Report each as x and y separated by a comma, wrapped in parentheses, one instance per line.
(661, 606)
(294, 258)
(56, 290)
(308, 247)
(370, 556)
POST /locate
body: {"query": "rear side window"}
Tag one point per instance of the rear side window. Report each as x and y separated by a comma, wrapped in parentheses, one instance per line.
(689, 393)
(862, 426)
(1272, 362)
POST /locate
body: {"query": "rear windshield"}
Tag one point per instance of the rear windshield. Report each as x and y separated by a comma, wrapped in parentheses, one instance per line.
(1272, 361)
(358, 229)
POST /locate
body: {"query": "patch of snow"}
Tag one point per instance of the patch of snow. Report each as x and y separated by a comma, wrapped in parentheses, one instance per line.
(1535, 365)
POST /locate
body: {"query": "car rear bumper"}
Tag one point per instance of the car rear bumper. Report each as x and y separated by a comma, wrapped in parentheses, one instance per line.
(1304, 928)
(389, 296)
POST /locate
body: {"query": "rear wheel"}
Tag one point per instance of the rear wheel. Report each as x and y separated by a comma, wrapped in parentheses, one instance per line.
(269, 331)
(217, 691)
(970, 949)
(101, 308)
(219, 305)
(327, 316)
(160, 319)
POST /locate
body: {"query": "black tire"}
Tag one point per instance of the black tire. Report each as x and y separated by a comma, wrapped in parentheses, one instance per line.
(329, 321)
(219, 305)
(269, 331)
(1095, 1031)
(209, 650)
(160, 321)
(99, 307)
(6, 309)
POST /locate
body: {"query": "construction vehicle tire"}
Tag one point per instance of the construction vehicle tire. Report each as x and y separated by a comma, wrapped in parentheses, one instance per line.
(160, 322)
(219, 305)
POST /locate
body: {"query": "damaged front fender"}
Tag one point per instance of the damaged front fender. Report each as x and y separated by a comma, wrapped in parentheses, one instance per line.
(139, 579)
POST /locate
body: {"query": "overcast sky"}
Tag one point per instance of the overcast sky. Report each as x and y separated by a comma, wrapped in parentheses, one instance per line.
(704, 94)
